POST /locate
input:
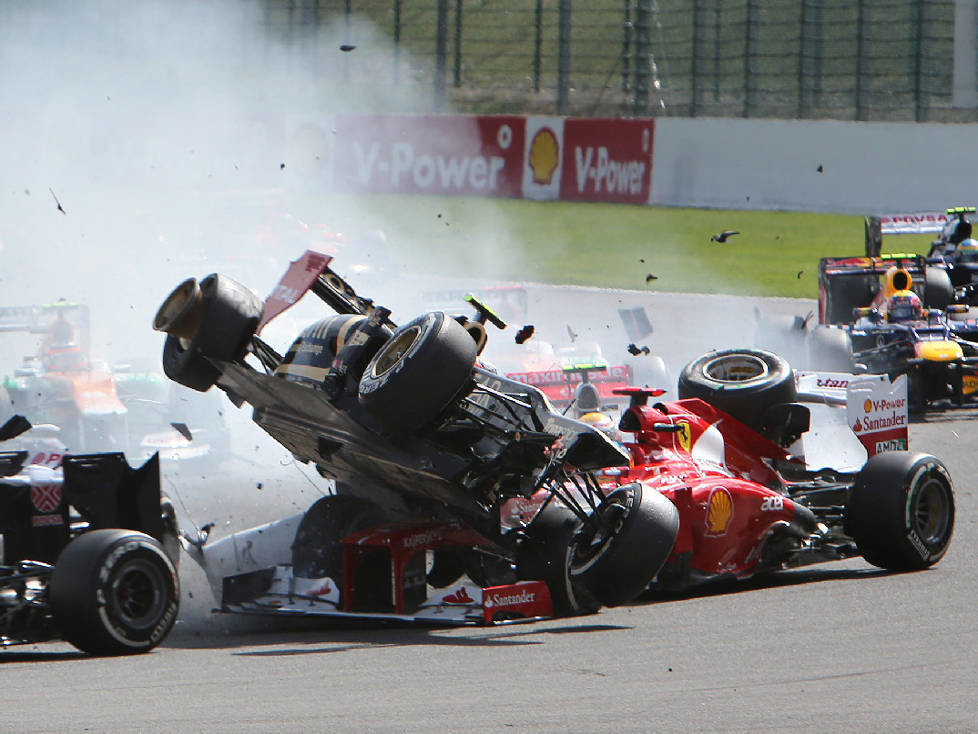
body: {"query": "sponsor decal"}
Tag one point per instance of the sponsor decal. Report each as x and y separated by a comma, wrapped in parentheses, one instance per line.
(459, 597)
(544, 156)
(325, 588)
(46, 497)
(719, 511)
(423, 538)
(894, 420)
(918, 544)
(40, 521)
(772, 504)
(868, 406)
(684, 435)
(894, 444)
(509, 597)
(831, 382)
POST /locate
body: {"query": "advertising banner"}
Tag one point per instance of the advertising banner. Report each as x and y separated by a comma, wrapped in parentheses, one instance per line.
(429, 154)
(607, 160)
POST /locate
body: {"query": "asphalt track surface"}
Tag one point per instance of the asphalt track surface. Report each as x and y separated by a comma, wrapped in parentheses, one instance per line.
(833, 647)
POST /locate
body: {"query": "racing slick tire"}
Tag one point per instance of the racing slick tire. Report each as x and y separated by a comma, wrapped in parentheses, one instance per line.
(637, 530)
(547, 554)
(230, 317)
(114, 592)
(901, 511)
(938, 291)
(743, 383)
(423, 366)
(829, 349)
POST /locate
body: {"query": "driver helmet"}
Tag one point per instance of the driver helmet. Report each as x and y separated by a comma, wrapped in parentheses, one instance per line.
(897, 279)
(603, 422)
(968, 250)
(587, 399)
(904, 306)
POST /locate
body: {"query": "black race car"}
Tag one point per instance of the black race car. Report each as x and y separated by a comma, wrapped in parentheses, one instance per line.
(89, 549)
(415, 428)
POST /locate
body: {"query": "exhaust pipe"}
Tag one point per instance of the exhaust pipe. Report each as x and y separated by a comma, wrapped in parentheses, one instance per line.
(182, 312)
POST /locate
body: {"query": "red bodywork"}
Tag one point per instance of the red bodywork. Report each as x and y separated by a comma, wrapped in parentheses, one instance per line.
(713, 470)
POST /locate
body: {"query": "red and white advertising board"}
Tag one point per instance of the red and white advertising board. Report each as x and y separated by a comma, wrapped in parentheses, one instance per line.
(429, 154)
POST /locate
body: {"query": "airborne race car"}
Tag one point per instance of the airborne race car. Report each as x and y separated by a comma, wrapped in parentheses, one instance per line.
(88, 549)
(475, 502)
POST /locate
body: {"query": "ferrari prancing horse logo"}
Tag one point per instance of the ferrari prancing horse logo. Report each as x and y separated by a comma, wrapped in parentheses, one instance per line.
(684, 435)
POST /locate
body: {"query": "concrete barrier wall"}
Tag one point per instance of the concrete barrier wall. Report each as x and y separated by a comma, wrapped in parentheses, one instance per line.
(775, 164)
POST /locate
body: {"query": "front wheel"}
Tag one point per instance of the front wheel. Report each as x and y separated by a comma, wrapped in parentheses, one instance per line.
(114, 592)
(901, 511)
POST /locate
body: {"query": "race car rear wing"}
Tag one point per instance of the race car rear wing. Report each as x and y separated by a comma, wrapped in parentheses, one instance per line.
(916, 223)
(876, 408)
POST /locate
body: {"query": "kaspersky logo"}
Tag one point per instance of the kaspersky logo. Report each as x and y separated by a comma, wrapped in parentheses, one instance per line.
(544, 156)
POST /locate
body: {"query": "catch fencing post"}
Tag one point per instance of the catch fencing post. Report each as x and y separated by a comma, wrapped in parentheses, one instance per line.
(563, 55)
(643, 76)
(441, 46)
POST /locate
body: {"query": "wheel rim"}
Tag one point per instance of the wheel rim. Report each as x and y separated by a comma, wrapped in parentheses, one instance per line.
(137, 594)
(394, 351)
(930, 512)
(736, 368)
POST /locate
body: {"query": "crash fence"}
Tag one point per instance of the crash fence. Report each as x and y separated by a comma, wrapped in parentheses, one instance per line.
(811, 59)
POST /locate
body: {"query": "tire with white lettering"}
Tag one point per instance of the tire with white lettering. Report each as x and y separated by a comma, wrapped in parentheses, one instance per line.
(743, 383)
(901, 511)
(829, 349)
(114, 592)
(547, 554)
(634, 535)
(419, 371)
(229, 321)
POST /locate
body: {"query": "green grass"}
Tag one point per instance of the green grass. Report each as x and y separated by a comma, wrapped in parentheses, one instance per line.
(775, 254)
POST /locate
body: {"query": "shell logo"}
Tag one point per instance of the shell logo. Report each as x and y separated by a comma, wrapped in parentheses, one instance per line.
(868, 406)
(719, 511)
(544, 156)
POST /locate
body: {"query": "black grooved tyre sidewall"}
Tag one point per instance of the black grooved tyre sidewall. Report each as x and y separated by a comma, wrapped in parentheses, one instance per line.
(418, 372)
(114, 592)
(231, 318)
(744, 399)
(546, 555)
(630, 558)
(901, 511)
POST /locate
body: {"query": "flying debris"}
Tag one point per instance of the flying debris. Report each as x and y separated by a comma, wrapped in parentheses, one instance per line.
(182, 429)
(347, 47)
(53, 196)
(525, 333)
(635, 351)
(571, 333)
(819, 169)
(722, 236)
(649, 278)
(281, 166)
(800, 273)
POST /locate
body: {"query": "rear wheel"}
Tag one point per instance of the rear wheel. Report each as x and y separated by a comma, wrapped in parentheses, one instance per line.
(743, 383)
(829, 349)
(114, 592)
(938, 290)
(901, 511)
(418, 372)
(229, 318)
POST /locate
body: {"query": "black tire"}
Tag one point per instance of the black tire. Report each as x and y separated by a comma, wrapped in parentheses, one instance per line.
(901, 511)
(743, 383)
(418, 372)
(829, 349)
(638, 534)
(317, 551)
(938, 291)
(547, 554)
(230, 319)
(114, 592)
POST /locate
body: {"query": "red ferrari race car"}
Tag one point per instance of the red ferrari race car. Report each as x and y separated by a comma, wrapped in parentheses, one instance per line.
(88, 548)
(764, 481)
(429, 449)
